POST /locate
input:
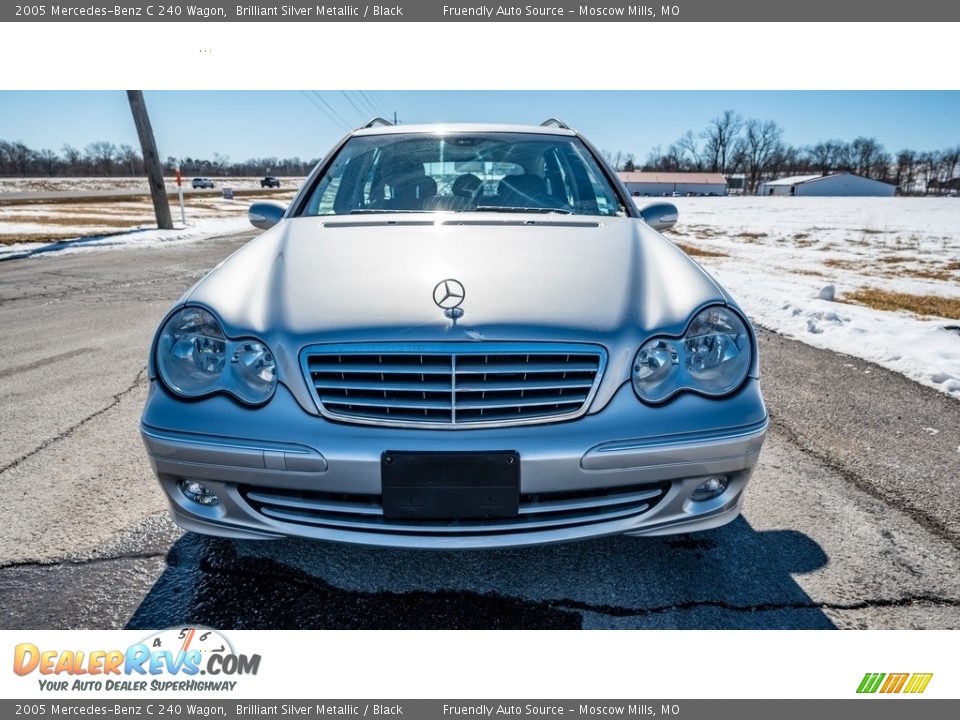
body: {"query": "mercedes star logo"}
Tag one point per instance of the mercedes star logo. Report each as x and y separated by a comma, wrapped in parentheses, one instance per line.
(448, 294)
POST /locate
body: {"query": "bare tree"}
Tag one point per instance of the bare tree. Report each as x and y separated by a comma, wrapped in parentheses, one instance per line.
(48, 161)
(15, 157)
(721, 134)
(102, 156)
(72, 158)
(130, 159)
(824, 156)
(760, 143)
(689, 146)
(865, 155)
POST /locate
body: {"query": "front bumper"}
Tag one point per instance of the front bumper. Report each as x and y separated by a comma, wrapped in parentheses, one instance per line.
(280, 471)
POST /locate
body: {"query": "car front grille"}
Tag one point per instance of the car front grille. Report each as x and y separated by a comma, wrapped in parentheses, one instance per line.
(540, 511)
(453, 385)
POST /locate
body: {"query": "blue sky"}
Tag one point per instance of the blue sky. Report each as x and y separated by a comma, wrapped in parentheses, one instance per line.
(245, 124)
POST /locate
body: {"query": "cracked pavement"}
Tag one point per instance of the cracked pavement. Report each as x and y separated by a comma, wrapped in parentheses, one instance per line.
(851, 519)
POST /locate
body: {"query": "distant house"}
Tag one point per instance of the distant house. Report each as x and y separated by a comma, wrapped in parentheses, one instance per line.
(836, 185)
(667, 183)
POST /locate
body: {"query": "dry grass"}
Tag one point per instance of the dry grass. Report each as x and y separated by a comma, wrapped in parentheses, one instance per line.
(924, 274)
(814, 273)
(699, 252)
(78, 220)
(45, 237)
(842, 264)
(932, 305)
(750, 237)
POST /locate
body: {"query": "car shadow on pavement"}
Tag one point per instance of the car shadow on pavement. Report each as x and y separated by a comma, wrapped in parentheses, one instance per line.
(732, 577)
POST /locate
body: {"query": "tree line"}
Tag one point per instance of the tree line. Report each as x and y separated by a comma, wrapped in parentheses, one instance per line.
(756, 151)
(106, 159)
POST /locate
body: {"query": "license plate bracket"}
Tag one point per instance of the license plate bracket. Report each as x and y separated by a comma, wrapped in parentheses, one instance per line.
(450, 486)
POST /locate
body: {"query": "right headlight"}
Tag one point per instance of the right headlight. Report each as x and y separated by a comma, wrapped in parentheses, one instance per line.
(712, 358)
(195, 358)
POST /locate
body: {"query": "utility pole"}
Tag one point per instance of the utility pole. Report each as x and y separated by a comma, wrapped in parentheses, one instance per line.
(151, 159)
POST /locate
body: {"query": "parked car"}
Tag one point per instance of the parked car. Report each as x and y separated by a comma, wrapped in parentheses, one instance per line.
(405, 358)
(270, 182)
(202, 183)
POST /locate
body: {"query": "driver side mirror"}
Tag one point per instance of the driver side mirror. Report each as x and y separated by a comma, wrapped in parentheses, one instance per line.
(660, 215)
(266, 214)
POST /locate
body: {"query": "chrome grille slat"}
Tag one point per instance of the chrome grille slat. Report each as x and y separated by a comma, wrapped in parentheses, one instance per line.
(516, 386)
(404, 404)
(454, 384)
(380, 368)
(412, 386)
(364, 513)
(522, 523)
(550, 506)
(520, 402)
(317, 505)
(521, 368)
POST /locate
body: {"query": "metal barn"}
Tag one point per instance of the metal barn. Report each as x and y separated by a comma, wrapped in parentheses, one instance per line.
(660, 184)
(836, 185)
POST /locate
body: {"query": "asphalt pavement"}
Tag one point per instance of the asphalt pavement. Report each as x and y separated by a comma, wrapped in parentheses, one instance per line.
(851, 519)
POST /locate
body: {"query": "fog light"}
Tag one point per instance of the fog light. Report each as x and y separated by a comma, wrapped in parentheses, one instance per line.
(710, 488)
(200, 494)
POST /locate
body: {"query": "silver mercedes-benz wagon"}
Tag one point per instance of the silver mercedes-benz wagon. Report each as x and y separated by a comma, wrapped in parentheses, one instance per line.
(456, 336)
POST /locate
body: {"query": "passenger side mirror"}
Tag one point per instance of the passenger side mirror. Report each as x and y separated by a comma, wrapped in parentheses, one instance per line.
(266, 214)
(660, 215)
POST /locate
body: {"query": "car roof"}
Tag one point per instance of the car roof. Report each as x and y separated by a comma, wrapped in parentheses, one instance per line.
(461, 127)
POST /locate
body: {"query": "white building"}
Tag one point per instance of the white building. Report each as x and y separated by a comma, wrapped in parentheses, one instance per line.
(837, 185)
(659, 184)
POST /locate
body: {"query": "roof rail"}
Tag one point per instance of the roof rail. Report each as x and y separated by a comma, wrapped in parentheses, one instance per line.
(555, 123)
(373, 121)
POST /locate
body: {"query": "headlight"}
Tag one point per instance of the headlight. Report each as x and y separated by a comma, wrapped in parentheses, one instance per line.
(713, 357)
(254, 371)
(192, 355)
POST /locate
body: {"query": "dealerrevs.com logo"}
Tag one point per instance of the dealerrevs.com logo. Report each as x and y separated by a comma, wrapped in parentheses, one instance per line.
(911, 683)
(173, 659)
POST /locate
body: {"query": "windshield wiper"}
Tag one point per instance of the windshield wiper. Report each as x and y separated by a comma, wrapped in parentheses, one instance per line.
(539, 211)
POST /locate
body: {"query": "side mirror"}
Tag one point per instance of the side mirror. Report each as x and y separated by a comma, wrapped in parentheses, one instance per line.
(266, 214)
(660, 215)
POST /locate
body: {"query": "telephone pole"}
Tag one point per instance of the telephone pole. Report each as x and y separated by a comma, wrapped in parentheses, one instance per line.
(151, 160)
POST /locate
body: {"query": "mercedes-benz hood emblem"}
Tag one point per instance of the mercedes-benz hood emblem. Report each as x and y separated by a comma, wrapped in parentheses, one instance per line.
(448, 294)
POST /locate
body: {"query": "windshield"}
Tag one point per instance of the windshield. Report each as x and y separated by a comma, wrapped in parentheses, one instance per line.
(464, 172)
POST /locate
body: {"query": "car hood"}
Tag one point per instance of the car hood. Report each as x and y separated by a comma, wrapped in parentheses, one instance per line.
(359, 278)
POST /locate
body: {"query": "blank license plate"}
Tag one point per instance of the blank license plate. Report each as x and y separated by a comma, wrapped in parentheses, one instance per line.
(450, 486)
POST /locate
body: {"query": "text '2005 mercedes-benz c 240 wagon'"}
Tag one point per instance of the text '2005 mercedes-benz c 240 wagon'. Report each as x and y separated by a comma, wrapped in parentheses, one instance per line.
(456, 336)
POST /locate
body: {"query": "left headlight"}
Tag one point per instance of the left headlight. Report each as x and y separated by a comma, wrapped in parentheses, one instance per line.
(712, 358)
(195, 358)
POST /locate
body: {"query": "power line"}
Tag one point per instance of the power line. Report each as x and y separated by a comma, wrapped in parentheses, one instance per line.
(378, 96)
(355, 106)
(343, 120)
(330, 117)
(366, 101)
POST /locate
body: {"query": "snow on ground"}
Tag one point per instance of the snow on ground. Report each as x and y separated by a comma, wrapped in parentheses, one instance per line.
(192, 232)
(776, 255)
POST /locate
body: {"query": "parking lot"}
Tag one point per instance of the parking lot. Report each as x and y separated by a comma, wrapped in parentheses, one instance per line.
(851, 519)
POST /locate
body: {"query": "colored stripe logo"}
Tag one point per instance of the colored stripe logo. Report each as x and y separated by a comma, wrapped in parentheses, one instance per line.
(913, 683)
